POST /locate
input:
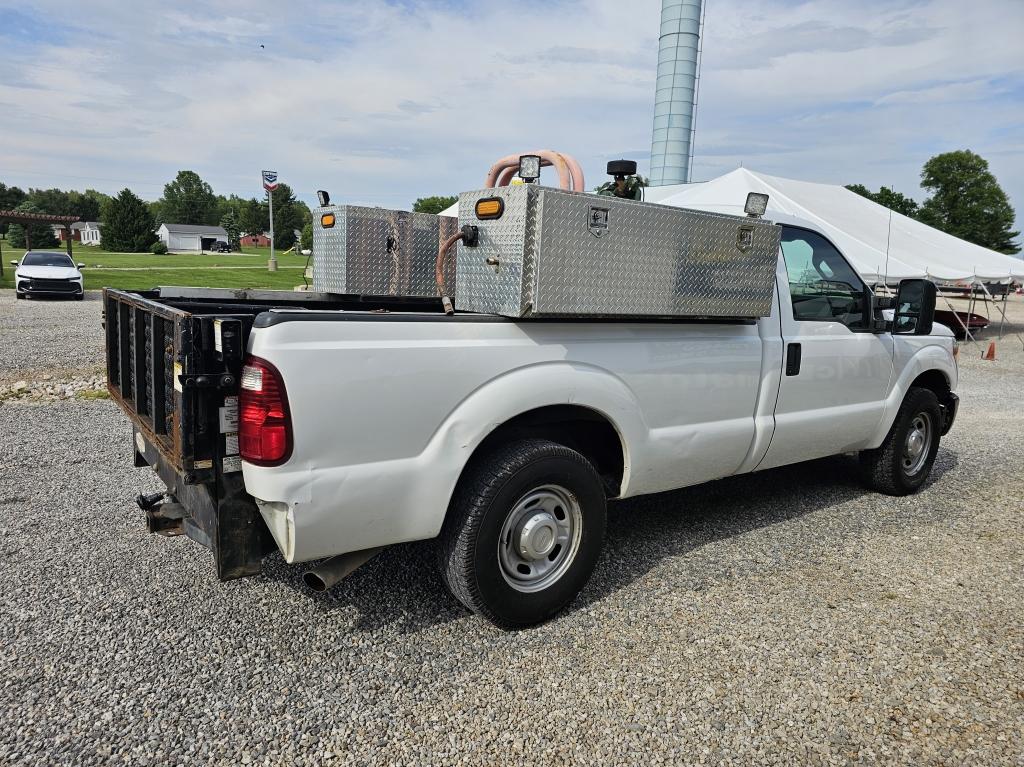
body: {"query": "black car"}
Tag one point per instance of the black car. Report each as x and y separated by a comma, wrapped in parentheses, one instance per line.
(220, 247)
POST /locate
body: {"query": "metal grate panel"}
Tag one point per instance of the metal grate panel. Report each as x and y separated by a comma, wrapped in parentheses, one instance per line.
(556, 253)
(376, 251)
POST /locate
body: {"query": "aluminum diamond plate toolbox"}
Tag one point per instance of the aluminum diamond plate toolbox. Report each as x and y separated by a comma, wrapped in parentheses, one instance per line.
(554, 253)
(376, 251)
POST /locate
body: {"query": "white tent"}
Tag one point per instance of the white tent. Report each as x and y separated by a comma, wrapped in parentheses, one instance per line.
(858, 226)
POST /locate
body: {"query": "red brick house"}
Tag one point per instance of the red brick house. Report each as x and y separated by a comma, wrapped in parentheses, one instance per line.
(76, 232)
(255, 240)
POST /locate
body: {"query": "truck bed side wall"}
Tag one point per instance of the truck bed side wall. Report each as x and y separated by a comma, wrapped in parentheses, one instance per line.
(371, 466)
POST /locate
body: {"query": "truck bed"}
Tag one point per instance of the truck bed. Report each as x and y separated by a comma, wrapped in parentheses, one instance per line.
(174, 358)
(174, 363)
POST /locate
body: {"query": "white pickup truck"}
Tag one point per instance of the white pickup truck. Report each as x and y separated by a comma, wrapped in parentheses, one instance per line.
(343, 424)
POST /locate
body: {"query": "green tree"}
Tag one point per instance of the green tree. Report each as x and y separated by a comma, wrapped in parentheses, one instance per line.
(189, 200)
(55, 201)
(156, 209)
(230, 224)
(967, 201)
(87, 205)
(889, 198)
(287, 217)
(233, 204)
(306, 243)
(128, 224)
(39, 235)
(434, 204)
(10, 198)
(254, 217)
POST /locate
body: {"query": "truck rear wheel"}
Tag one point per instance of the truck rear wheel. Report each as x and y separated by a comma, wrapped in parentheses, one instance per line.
(902, 463)
(523, 533)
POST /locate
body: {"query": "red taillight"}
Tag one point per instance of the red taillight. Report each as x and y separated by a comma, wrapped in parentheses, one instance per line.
(264, 424)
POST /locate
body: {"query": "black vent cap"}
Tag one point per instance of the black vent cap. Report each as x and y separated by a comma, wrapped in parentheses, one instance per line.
(621, 167)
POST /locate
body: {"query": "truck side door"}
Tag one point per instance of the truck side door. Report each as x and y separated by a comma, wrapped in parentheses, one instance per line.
(836, 371)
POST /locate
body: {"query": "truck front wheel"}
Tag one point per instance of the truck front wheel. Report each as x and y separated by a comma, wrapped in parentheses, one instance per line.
(902, 463)
(523, 533)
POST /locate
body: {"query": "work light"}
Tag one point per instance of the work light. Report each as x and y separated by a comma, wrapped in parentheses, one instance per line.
(323, 198)
(757, 204)
(529, 168)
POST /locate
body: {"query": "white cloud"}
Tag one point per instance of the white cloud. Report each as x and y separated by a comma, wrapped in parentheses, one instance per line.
(382, 103)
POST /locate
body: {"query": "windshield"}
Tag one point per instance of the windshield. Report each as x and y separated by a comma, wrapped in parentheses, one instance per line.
(46, 259)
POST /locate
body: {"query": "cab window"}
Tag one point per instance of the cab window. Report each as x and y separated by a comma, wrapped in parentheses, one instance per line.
(822, 286)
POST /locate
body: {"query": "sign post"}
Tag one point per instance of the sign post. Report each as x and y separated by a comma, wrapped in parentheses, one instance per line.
(270, 184)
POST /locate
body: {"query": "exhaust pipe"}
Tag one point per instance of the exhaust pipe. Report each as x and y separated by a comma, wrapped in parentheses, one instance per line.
(336, 569)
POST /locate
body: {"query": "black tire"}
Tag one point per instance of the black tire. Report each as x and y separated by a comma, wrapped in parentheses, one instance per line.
(889, 468)
(18, 295)
(498, 488)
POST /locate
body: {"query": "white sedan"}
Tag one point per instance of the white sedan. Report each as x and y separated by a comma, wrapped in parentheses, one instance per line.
(48, 273)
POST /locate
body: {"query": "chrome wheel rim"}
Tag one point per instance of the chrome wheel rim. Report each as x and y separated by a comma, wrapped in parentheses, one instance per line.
(540, 538)
(917, 444)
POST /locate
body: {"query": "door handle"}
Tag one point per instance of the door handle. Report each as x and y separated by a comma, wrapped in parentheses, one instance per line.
(793, 353)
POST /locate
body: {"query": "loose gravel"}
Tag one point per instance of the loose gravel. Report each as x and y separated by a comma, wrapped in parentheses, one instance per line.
(57, 337)
(788, 617)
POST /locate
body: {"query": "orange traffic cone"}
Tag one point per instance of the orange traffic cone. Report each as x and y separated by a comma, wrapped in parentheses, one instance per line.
(990, 353)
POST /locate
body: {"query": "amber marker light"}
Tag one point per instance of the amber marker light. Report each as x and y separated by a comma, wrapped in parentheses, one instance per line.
(489, 208)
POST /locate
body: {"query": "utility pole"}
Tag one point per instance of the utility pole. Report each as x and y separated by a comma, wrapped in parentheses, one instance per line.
(272, 266)
(270, 184)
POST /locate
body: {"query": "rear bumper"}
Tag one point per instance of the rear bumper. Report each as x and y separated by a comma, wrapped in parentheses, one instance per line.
(218, 514)
(316, 512)
(950, 405)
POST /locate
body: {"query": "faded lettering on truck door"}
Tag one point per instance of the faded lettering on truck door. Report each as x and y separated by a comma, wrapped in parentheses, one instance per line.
(835, 369)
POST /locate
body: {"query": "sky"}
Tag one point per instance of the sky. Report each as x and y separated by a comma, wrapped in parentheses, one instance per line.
(383, 102)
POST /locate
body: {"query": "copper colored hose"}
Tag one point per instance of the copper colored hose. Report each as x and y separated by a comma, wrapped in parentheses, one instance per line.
(565, 178)
(446, 301)
(568, 168)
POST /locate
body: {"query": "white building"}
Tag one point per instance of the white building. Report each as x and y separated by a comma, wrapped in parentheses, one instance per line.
(190, 238)
(90, 232)
(81, 231)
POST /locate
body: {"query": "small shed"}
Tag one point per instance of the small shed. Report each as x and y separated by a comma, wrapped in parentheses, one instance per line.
(190, 238)
(91, 232)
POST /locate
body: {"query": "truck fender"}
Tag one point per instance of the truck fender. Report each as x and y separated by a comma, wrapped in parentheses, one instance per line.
(520, 391)
(923, 360)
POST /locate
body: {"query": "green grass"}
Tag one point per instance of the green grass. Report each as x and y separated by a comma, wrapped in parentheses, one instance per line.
(94, 394)
(285, 279)
(102, 269)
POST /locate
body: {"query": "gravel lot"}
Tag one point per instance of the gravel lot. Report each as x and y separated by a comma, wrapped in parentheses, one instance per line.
(788, 617)
(57, 337)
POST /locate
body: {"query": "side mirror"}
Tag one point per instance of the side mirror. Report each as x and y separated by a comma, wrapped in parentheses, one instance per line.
(915, 308)
(14, 263)
(80, 266)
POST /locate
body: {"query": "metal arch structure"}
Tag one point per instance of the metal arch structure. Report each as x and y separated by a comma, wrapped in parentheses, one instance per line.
(26, 217)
